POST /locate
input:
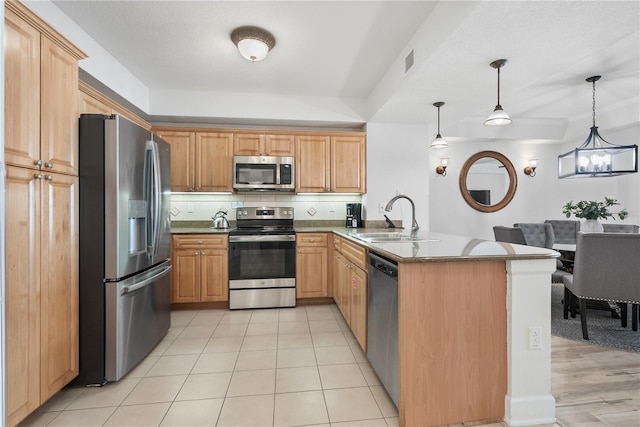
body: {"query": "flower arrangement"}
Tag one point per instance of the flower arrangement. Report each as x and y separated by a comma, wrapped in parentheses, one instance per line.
(591, 209)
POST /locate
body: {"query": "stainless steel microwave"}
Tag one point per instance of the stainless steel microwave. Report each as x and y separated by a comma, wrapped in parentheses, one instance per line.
(263, 173)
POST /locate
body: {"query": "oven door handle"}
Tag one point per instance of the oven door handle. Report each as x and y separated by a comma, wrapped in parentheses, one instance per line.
(264, 238)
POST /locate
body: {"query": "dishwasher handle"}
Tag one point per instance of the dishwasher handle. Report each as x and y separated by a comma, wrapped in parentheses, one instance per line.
(385, 266)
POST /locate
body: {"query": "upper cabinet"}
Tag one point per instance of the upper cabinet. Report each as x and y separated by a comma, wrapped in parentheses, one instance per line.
(335, 164)
(259, 144)
(41, 104)
(200, 161)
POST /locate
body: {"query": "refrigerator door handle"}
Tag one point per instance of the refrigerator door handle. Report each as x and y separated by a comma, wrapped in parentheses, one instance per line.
(145, 282)
(152, 186)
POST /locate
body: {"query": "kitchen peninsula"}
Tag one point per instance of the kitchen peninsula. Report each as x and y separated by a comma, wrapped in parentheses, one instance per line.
(466, 309)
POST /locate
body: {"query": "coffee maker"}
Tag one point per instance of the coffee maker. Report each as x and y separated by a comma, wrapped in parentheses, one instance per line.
(354, 215)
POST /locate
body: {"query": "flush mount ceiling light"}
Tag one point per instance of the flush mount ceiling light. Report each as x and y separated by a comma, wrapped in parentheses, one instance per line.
(439, 142)
(596, 156)
(498, 117)
(253, 43)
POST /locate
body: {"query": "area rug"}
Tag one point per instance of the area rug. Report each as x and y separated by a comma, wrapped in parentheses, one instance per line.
(603, 329)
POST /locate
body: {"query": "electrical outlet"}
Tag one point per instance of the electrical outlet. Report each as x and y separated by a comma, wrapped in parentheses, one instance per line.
(381, 208)
(535, 339)
(332, 207)
(190, 207)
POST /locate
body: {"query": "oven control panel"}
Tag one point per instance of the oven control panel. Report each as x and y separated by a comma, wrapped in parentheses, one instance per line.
(264, 213)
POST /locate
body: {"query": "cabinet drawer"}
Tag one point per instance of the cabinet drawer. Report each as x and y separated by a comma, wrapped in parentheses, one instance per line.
(337, 242)
(356, 254)
(189, 241)
(311, 239)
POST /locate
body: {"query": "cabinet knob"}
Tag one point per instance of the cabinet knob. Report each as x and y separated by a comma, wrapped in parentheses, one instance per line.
(312, 240)
(199, 242)
(203, 253)
(197, 253)
(48, 177)
(37, 162)
(37, 176)
(299, 251)
(197, 189)
(48, 165)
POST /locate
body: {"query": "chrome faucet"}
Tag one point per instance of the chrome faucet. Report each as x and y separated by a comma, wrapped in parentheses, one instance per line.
(414, 223)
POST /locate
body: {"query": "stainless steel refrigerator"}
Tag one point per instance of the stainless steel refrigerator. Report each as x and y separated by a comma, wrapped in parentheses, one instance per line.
(125, 244)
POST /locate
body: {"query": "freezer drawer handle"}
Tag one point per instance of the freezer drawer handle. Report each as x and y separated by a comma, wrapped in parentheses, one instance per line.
(145, 282)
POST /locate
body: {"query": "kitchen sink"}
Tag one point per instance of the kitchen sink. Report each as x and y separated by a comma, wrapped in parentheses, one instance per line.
(390, 237)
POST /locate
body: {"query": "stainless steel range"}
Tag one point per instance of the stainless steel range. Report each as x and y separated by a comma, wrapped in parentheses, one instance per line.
(262, 259)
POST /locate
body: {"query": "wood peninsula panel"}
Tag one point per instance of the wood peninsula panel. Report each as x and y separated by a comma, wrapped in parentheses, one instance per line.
(452, 342)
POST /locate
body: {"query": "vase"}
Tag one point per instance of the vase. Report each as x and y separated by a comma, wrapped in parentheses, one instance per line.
(591, 226)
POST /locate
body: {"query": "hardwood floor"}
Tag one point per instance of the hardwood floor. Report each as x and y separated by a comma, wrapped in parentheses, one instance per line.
(593, 385)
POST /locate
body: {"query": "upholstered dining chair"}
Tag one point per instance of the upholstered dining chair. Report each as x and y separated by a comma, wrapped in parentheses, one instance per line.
(516, 235)
(607, 268)
(621, 228)
(564, 231)
(537, 234)
(509, 235)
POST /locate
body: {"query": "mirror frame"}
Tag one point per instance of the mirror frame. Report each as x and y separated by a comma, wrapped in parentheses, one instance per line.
(511, 191)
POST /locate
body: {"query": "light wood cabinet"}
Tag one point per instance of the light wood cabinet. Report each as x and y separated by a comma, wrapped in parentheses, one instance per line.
(350, 286)
(87, 104)
(41, 151)
(41, 105)
(259, 144)
(91, 101)
(200, 161)
(335, 164)
(313, 164)
(41, 287)
(312, 265)
(200, 268)
(348, 164)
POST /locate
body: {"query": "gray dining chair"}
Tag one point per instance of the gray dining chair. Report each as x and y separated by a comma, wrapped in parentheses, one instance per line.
(607, 268)
(516, 235)
(537, 234)
(620, 228)
(564, 231)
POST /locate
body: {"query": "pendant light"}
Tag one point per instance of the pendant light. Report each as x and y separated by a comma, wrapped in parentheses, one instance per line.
(253, 43)
(498, 117)
(596, 156)
(439, 142)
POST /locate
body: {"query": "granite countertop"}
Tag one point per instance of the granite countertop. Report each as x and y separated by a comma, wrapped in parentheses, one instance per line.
(436, 247)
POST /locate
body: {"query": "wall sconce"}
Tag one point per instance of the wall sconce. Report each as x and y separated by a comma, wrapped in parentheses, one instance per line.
(531, 169)
(441, 169)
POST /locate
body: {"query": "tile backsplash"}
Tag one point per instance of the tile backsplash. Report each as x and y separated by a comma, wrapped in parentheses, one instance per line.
(202, 206)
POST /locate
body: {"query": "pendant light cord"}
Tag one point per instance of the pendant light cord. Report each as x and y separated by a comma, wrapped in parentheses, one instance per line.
(438, 120)
(593, 105)
(499, 85)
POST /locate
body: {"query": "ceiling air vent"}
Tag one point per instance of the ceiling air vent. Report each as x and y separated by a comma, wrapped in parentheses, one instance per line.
(408, 61)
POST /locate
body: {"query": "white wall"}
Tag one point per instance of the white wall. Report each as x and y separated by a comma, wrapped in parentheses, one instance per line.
(537, 198)
(398, 163)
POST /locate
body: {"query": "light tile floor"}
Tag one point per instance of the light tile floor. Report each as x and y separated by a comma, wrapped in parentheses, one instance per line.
(303, 367)
(276, 367)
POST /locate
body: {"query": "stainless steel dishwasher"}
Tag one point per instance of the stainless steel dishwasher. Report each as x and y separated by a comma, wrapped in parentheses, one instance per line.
(382, 322)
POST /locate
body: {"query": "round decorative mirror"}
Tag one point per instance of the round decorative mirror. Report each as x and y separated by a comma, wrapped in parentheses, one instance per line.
(488, 181)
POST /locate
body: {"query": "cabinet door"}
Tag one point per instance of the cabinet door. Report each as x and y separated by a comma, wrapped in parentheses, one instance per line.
(311, 272)
(248, 145)
(312, 164)
(182, 159)
(341, 290)
(22, 293)
(214, 275)
(214, 158)
(59, 283)
(348, 163)
(59, 109)
(358, 313)
(280, 145)
(185, 283)
(21, 92)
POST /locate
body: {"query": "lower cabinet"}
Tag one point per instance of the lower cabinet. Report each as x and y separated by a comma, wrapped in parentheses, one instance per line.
(350, 286)
(312, 265)
(41, 288)
(200, 268)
